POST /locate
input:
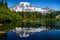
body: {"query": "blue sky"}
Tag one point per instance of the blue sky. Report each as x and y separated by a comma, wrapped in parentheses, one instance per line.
(54, 4)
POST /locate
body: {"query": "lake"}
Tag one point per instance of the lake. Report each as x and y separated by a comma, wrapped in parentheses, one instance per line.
(40, 35)
(37, 30)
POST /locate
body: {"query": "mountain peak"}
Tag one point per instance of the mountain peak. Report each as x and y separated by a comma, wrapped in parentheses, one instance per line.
(24, 3)
(27, 7)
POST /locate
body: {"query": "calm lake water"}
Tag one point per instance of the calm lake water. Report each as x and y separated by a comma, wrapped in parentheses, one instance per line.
(35, 33)
(51, 35)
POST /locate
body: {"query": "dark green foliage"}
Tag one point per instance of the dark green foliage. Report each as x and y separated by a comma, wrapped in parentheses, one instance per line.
(8, 19)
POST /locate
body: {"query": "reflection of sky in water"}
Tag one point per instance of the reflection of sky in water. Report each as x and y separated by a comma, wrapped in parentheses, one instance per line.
(53, 35)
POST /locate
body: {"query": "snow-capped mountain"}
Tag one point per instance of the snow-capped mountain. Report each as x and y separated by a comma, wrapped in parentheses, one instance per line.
(27, 7)
(47, 10)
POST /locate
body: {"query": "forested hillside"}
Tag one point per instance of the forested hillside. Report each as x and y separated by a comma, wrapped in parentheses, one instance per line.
(8, 19)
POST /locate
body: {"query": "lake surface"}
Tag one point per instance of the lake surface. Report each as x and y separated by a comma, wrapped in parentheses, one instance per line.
(35, 33)
(51, 35)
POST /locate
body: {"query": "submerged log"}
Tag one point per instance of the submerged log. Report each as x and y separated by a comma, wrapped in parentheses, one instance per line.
(2, 34)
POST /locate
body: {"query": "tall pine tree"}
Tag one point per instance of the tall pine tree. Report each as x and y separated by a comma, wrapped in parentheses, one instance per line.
(1, 1)
(6, 3)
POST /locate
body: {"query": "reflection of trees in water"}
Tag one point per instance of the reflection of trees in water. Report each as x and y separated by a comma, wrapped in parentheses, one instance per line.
(50, 23)
(58, 24)
(30, 24)
(47, 23)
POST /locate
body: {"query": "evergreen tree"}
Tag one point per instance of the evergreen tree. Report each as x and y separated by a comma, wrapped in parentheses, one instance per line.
(6, 3)
(1, 1)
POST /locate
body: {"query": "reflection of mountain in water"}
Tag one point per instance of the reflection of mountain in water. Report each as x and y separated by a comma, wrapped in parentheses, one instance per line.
(26, 32)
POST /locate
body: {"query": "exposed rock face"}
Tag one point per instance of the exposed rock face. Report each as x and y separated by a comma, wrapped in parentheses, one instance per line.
(58, 17)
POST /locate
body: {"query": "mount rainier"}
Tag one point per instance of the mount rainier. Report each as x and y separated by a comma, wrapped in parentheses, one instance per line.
(27, 7)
